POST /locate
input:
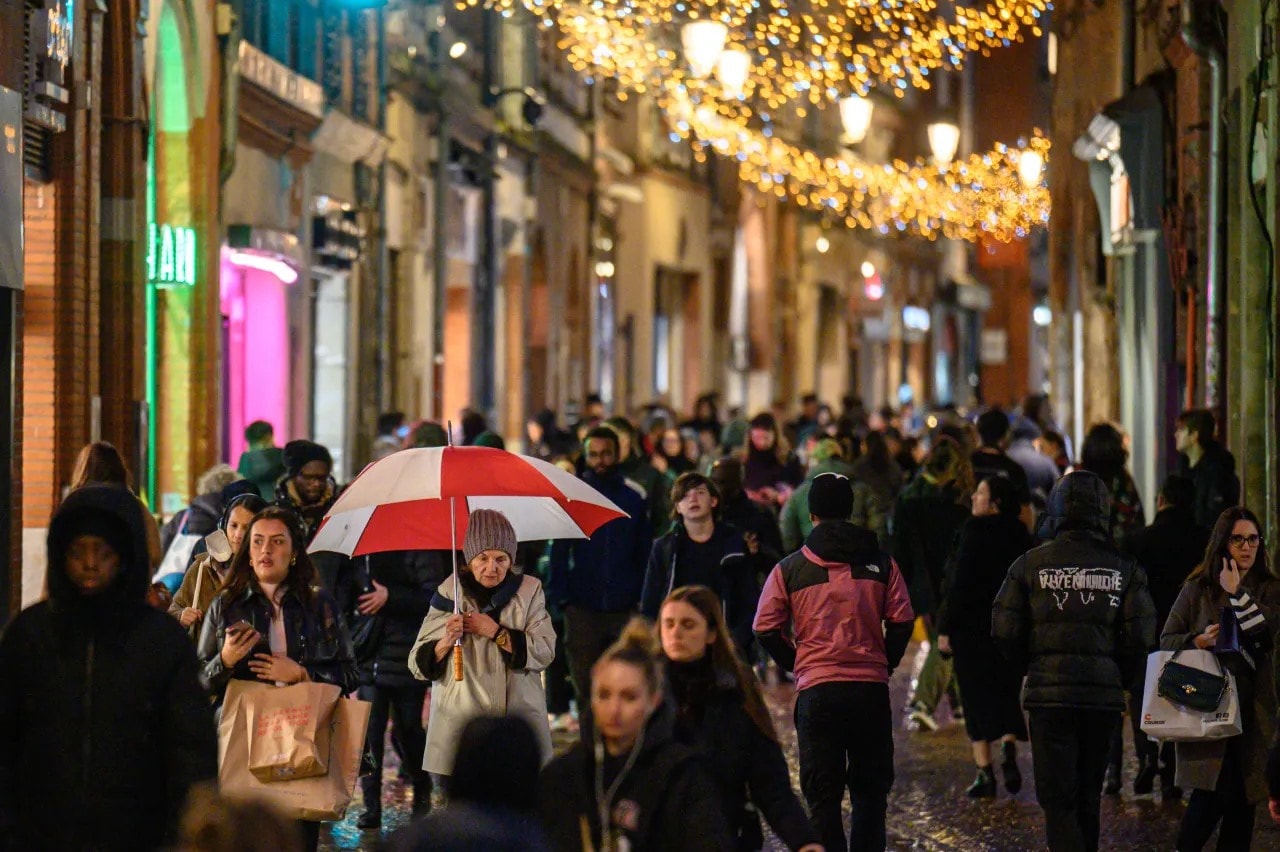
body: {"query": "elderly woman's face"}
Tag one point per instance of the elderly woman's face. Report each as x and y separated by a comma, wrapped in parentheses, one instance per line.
(490, 567)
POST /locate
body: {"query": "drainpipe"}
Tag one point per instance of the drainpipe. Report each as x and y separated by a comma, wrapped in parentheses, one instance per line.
(1215, 373)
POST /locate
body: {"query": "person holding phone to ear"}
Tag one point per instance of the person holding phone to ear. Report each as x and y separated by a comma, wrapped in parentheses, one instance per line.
(1234, 583)
(209, 570)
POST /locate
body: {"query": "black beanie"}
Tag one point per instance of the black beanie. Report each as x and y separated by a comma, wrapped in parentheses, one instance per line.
(831, 497)
(105, 526)
(298, 454)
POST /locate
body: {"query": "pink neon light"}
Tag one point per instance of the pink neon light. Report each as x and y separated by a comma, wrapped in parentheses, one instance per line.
(270, 265)
(255, 305)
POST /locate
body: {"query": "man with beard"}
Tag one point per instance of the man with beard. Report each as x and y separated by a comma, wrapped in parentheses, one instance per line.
(597, 582)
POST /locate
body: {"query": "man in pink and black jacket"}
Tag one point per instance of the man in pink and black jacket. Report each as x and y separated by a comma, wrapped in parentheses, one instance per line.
(837, 614)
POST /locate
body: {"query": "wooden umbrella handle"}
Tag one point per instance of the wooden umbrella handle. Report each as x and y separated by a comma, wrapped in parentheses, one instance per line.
(457, 662)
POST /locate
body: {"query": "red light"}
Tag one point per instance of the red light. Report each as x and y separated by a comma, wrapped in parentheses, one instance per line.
(873, 288)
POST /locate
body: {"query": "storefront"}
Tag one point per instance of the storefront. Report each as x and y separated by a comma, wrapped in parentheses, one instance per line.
(181, 322)
(264, 282)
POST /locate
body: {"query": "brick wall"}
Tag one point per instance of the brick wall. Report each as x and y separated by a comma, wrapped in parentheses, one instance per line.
(39, 367)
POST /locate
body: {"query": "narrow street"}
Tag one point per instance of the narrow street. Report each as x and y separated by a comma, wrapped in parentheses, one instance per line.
(927, 809)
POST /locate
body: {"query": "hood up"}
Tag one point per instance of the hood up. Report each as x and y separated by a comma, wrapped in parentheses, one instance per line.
(1079, 501)
(111, 504)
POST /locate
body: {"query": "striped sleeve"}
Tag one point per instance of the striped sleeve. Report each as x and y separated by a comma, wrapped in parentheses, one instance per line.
(1251, 619)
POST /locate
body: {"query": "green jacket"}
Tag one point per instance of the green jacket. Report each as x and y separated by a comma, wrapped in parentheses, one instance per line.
(867, 512)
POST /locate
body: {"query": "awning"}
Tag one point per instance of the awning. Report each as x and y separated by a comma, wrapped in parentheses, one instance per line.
(349, 140)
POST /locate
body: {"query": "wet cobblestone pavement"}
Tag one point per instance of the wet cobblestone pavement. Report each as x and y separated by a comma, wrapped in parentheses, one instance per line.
(927, 808)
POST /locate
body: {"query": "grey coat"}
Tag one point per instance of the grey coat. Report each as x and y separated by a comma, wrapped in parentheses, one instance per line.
(1199, 764)
(490, 686)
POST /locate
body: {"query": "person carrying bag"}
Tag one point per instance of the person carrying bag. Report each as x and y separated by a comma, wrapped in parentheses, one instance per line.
(1189, 696)
(1227, 775)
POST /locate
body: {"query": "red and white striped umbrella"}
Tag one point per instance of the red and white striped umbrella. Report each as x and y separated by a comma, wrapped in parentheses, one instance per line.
(402, 501)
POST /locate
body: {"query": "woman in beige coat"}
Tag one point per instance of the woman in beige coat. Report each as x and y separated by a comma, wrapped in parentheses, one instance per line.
(507, 641)
(1227, 777)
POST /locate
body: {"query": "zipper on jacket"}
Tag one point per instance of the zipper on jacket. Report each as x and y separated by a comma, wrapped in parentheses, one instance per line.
(88, 715)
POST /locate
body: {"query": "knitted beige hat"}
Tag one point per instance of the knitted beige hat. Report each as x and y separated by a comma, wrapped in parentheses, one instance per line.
(488, 529)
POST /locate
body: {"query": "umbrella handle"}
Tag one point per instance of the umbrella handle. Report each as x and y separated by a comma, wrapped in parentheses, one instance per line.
(457, 662)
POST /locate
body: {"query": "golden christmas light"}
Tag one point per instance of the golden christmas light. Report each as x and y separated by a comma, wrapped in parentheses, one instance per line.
(810, 51)
(984, 196)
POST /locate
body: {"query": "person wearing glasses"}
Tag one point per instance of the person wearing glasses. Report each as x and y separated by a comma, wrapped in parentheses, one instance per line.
(1233, 585)
(308, 490)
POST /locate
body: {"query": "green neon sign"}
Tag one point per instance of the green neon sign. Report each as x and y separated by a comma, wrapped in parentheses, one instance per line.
(171, 256)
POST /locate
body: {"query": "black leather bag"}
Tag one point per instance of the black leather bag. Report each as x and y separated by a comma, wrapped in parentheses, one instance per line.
(1190, 687)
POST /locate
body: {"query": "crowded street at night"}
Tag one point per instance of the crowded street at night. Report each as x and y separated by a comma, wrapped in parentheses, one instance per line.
(639, 426)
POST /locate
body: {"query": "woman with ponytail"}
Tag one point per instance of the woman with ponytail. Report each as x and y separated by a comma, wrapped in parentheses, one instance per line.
(631, 785)
(721, 713)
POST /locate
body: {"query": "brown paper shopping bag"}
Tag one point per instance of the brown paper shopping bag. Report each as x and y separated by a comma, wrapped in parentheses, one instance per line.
(321, 798)
(289, 730)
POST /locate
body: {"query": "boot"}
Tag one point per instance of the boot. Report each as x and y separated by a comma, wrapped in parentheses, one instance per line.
(422, 793)
(1145, 781)
(1009, 767)
(1111, 782)
(372, 817)
(984, 784)
(1169, 790)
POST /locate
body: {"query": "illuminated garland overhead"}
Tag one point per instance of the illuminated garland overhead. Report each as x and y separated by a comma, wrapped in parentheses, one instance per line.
(981, 197)
(785, 50)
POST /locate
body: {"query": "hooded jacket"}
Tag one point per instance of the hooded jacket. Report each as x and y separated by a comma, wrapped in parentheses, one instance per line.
(604, 573)
(103, 725)
(664, 802)
(1075, 613)
(836, 610)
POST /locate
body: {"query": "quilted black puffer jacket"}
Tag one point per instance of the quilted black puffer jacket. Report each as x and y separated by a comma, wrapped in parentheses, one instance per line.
(1075, 612)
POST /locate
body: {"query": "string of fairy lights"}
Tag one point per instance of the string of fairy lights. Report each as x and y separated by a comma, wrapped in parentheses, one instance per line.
(722, 69)
(996, 195)
(812, 51)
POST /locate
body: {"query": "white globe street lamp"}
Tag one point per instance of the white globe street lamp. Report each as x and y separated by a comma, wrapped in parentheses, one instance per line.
(855, 115)
(1030, 167)
(703, 43)
(944, 139)
(732, 71)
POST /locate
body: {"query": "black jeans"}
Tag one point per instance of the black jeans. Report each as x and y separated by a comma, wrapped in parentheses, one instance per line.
(559, 689)
(1069, 751)
(588, 635)
(1228, 804)
(845, 734)
(403, 706)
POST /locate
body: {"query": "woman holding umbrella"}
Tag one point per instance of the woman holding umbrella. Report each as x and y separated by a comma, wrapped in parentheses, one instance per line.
(498, 617)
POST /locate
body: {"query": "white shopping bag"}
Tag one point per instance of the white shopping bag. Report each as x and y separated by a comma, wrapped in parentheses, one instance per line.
(1163, 720)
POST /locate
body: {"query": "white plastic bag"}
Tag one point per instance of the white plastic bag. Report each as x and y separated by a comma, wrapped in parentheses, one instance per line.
(1165, 721)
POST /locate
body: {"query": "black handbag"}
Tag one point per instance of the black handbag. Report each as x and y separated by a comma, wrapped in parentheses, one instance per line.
(1190, 687)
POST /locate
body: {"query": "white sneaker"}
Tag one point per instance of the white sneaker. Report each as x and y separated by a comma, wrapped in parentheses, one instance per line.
(922, 718)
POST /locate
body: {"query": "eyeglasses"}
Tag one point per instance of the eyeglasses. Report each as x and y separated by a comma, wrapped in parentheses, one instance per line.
(1242, 540)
